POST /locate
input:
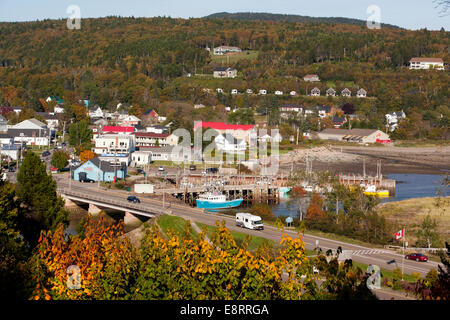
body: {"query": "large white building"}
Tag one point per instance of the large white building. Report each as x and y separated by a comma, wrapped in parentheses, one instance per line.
(355, 135)
(225, 49)
(115, 144)
(227, 143)
(426, 63)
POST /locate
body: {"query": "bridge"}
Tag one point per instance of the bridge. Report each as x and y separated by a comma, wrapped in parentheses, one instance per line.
(96, 202)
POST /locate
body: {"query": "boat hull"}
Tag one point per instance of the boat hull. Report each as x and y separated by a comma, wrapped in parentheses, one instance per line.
(380, 193)
(206, 204)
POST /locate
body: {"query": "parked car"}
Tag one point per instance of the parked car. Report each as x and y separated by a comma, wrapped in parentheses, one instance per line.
(161, 168)
(192, 167)
(417, 257)
(140, 171)
(212, 170)
(133, 199)
(83, 180)
(45, 153)
(64, 144)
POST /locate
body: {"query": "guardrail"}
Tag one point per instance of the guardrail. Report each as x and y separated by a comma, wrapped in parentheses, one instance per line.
(126, 205)
(415, 249)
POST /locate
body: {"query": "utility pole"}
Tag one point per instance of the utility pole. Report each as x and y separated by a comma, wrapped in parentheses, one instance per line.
(403, 260)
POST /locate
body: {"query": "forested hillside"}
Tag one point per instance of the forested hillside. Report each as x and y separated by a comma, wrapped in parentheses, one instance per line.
(143, 61)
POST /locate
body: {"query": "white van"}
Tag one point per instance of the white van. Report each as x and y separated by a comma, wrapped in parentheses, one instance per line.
(249, 221)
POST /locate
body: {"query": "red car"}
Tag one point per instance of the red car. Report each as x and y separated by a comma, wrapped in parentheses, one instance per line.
(417, 257)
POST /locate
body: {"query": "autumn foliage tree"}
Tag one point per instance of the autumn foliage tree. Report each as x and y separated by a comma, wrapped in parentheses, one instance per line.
(315, 210)
(86, 155)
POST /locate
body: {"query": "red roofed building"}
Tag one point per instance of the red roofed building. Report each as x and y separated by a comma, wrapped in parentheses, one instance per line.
(238, 131)
(117, 129)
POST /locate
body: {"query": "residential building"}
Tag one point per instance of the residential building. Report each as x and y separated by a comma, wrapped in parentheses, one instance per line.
(354, 135)
(51, 119)
(130, 121)
(115, 144)
(199, 106)
(361, 93)
(288, 109)
(234, 91)
(150, 116)
(9, 149)
(150, 139)
(117, 130)
(293, 93)
(272, 137)
(393, 118)
(279, 93)
(58, 109)
(17, 110)
(426, 63)
(239, 131)
(219, 90)
(249, 91)
(99, 170)
(325, 111)
(315, 92)
(165, 153)
(96, 112)
(311, 78)
(34, 137)
(30, 124)
(263, 92)
(227, 143)
(331, 92)
(157, 129)
(226, 49)
(54, 98)
(339, 121)
(224, 72)
(346, 93)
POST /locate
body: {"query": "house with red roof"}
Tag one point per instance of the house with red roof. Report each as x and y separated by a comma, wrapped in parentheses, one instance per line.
(117, 129)
(238, 131)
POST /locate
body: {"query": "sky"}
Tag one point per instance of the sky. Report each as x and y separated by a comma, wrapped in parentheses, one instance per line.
(410, 14)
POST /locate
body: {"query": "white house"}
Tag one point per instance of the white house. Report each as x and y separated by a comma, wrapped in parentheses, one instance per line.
(262, 92)
(227, 143)
(346, 93)
(272, 137)
(225, 49)
(315, 92)
(249, 91)
(331, 92)
(393, 118)
(223, 72)
(279, 93)
(426, 63)
(234, 91)
(311, 78)
(51, 119)
(293, 93)
(199, 106)
(96, 112)
(219, 90)
(130, 120)
(58, 109)
(361, 93)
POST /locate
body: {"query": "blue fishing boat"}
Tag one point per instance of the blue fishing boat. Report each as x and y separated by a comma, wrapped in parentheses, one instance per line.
(216, 200)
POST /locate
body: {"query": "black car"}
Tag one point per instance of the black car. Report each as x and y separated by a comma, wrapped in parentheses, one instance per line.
(192, 167)
(45, 153)
(212, 170)
(133, 199)
(87, 180)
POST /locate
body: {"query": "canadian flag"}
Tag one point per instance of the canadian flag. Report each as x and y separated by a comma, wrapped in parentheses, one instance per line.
(399, 234)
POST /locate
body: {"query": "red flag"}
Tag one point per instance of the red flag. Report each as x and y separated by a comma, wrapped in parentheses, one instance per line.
(399, 234)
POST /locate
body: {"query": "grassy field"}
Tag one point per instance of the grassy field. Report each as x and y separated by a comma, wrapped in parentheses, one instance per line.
(411, 212)
(176, 224)
(421, 143)
(232, 58)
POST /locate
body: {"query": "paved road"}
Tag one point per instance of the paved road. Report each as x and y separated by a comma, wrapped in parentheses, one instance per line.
(364, 254)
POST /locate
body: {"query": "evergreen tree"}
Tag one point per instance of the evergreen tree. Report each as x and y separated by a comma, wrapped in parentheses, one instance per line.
(42, 208)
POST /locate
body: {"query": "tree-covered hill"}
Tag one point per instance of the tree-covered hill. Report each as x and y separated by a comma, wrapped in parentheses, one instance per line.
(289, 18)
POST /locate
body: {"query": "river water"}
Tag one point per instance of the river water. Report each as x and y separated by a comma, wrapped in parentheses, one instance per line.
(408, 186)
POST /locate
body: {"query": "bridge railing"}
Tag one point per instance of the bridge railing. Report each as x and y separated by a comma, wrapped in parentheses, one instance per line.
(144, 208)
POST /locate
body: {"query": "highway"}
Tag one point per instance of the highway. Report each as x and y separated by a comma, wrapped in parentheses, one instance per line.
(363, 254)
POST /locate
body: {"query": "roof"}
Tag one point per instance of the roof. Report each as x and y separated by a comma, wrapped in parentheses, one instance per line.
(48, 115)
(105, 166)
(15, 132)
(151, 134)
(117, 129)
(436, 60)
(311, 76)
(223, 126)
(146, 113)
(338, 119)
(353, 132)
